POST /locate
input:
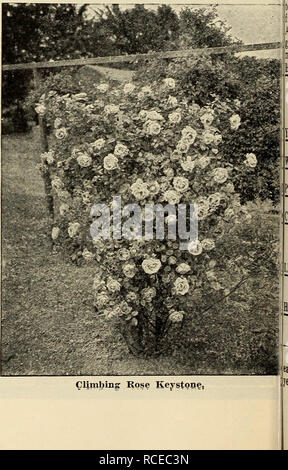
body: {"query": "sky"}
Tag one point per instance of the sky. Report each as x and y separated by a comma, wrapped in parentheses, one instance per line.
(252, 23)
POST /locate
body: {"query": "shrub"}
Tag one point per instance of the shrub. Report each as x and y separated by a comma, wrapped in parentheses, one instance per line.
(149, 145)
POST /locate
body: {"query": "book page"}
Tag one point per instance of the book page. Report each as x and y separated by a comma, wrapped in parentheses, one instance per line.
(142, 227)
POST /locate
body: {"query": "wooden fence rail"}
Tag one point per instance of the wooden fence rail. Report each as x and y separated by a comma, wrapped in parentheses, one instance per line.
(134, 57)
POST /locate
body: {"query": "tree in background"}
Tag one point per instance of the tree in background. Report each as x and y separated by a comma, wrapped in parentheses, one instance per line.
(35, 32)
(138, 29)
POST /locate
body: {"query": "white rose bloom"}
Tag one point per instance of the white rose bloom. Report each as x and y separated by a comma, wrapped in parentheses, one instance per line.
(169, 83)
(154, 116)
(172, 101)
(142, 114)
(146, 89)
(214, 201)
(190, 133)
(63, 195)
(207, 118)
(220, 175)
(183, 268)
(98, 144)
(110, 162)
(176, 317)
(183, 146)
(131, 297)
(56, 183)
(139, 189)
(123, 254)
(43, 157)
(228, 213)
(101, 300)
(217, 140)
(154, 188)
(208, 244)
(216, 285)
(55, 233)
(61, 133)
(202, 208)
(111, 109)
(171, 196)
(195, 247)
(128, 88)
(121, 150)
(50, 158)
(57, 123)
(251, 160)
(75, 152)
(169, 172)
(235, 122)
(84, 160)
(98, 283)
(208, 137)
(229, 188)
(73, 229)
(40, 109)
(175, 155)
(174, 117)
(63, 208)
(113, 285)
(152, 127)
(181, 184)
(144, 92)
(87, 255)
(148, 294)
(188, 164)
(80, 97)
(181, 286)
(151, 265)
(203, 162)
(115, 92)
(103, 87)
(109, 313)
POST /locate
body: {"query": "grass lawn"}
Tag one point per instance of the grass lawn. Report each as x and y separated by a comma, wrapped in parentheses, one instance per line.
(49, 326)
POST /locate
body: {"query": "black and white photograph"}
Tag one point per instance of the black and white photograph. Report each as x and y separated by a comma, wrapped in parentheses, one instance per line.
(140, 189)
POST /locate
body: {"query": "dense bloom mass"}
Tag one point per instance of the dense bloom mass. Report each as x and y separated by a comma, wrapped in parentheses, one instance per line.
(251, 160)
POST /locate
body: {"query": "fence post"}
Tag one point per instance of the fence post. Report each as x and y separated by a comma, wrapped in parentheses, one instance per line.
(45, 148)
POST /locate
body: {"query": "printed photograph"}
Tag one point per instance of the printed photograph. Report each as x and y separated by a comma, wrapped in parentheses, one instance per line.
(140, 189)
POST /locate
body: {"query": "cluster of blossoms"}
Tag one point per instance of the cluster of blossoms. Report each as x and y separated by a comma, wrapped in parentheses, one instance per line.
(149, 146)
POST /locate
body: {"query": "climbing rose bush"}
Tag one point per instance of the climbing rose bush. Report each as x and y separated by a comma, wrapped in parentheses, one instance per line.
(148, 146)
